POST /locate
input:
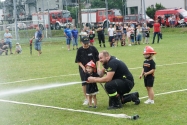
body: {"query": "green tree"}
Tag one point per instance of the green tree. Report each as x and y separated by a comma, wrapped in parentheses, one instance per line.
(151, 10)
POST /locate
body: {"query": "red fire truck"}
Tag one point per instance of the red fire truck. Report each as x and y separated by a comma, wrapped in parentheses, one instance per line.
(166, 13)
(58, 19)
(98, 15)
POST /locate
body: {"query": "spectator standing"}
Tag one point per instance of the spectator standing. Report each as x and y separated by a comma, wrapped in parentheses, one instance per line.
(147, 35)
(101, 36)
(118, 33)
(124, 34)
(156, 31)
(170, 21)
(143, 32)
(67, 33)
(129, 29)
(38, 36)
(8, 39)
(132, 36)
(75, 37)
(111, 31)
(173, 20)
(138, 34)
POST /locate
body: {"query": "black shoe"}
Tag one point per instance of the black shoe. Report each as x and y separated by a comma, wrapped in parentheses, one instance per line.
(137, 102)
(95, 107)
(89, 106)
(135, 98)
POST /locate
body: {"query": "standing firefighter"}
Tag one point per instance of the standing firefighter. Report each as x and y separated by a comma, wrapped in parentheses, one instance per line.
(118, 81)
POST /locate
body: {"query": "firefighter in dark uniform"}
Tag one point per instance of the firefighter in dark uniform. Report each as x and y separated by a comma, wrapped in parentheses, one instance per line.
(85, 54)
(118, 81)
(101, 36)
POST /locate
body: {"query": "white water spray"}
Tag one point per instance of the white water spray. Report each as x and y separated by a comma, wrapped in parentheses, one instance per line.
(17, 91)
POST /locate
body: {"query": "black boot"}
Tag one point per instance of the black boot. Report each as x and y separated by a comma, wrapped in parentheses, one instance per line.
(114, 102)
(126, 98)
(110, 102)
(100, 45)
(131, 97)
(135, 98)
(104, 45)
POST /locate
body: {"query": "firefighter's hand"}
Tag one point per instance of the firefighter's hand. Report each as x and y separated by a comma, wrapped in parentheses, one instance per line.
(91, 80)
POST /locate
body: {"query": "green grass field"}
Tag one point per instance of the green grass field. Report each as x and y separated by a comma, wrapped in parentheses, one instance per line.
(22, 104)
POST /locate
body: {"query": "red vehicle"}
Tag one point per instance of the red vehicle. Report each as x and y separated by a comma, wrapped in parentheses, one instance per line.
(135, 18)
(164, 14)
(58, 19)
(98, 15)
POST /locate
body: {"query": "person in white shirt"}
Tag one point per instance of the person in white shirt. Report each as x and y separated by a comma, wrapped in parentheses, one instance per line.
(138, 34)
(111, 35)
(8, 41)
(170, 21)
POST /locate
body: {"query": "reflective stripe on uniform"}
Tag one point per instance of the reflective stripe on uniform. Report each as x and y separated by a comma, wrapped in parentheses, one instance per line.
(113, 94)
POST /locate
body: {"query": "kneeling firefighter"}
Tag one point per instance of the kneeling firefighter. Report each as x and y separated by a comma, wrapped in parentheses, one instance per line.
(118, 81)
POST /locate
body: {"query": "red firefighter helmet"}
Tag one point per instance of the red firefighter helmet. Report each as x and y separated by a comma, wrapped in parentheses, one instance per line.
(91, 64)
(148, 50)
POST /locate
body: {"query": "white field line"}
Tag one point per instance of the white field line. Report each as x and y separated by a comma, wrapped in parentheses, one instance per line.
(68, 109)
(84, 111)
(78, 74)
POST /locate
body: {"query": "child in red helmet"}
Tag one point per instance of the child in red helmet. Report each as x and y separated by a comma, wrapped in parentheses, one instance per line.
(91, 89)
(148, 73)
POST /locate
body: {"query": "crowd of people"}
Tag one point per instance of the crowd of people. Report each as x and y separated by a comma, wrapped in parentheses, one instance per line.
(119, 34)
(6, 43)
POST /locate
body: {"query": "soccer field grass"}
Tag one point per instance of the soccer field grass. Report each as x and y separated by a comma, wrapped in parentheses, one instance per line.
(46, 90)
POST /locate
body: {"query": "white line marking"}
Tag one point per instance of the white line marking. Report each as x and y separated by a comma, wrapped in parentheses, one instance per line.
(84, 111)
(68, 109)
(163, 65)
(78, 74)
(182, 90)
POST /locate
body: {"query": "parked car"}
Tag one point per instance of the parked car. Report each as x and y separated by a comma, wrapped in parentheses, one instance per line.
(20, 26)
